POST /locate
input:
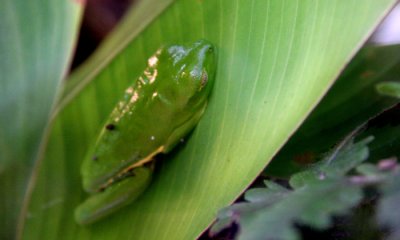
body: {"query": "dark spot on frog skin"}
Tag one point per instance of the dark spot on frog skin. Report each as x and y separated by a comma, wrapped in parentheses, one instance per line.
(95, 158)
(110, 126)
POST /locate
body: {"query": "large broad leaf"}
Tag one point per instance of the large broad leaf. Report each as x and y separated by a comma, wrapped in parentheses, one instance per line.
(276, 59)
(36, 41)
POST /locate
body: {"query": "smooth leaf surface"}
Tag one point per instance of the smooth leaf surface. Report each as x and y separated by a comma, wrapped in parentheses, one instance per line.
(275, 61)
(36, 45)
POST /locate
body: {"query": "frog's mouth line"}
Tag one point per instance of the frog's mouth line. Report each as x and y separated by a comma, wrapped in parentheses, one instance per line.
(127, 172)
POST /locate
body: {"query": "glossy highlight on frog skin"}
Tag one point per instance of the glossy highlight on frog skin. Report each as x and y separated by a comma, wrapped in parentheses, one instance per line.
(156, 111)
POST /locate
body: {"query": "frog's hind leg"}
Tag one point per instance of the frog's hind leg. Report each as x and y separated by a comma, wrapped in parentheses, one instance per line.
(114, 197)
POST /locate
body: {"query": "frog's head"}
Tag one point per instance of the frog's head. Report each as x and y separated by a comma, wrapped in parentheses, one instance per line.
(194, 69)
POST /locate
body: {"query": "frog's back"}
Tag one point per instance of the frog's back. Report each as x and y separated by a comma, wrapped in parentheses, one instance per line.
(157, 103)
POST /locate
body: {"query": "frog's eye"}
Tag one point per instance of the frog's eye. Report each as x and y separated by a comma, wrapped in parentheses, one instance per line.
(204, 79)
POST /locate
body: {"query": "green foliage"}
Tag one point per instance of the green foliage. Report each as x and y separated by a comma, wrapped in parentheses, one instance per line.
(276, 59)
(348, 104)
(391, 89)
(337, 164)
(270, 74)
(317, 194)
(311, 205)
(330, 187)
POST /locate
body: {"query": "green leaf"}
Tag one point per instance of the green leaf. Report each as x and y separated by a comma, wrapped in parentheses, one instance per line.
(276, 59)
(310, 205)
(258, 194)
(352, 101)
(337, 164)
(391, 89)
(37, 38)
